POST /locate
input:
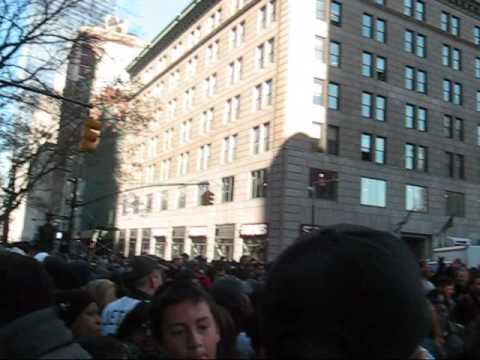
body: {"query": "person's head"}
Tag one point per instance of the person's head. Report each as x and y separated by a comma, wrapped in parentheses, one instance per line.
(231, 294)
(345, 292)
(474, 285)
(79, 312)
(60, 272)
(25, 287)
(446, 286)
(183, 322)
(462, 277)
(228, 333)
(104, 292)
(144, 274)
(425, 269)
(438, 300)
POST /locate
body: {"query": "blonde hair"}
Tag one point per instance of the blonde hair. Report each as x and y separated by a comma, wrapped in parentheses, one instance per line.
(100, 290)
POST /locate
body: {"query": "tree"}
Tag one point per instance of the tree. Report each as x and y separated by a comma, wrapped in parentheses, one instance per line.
(40, 149)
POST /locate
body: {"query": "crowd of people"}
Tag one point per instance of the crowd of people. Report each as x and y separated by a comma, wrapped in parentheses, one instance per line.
(342, 292)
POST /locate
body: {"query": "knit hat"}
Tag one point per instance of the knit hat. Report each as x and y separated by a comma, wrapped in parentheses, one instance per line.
(72, 303)
(139, 267)
(345, 291)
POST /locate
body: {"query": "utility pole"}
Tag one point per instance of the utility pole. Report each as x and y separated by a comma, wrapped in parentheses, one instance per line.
(9, 191)
(71, 218)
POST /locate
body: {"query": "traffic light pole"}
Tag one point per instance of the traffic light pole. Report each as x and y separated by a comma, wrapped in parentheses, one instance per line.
(71, 217)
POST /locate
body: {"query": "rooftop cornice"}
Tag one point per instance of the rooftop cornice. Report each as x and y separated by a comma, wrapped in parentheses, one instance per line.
(194, 11)
(471, 7)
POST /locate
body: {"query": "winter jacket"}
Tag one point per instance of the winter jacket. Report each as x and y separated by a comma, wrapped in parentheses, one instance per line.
(39, 335)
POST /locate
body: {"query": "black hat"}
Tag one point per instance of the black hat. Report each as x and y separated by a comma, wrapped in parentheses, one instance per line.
(72, 303)
(139, 267)
(345, 291)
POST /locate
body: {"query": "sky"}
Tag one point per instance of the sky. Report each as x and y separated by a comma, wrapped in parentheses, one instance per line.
(148, 17)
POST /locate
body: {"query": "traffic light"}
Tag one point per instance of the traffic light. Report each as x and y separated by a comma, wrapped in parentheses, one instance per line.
(91, 131)
(208, 198)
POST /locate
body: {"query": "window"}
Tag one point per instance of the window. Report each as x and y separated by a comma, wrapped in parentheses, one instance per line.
(457, 94)
(415, 8)
(237, 35)
(380, 2)
(448, 126)
(319, 48)
(447, 90)
(373, 192)
(185, 131)
(477, 68)
(182, 164)
(165, 169)
(235, 70)
(335, 53)
(380, 29)
(415, 157)
(450, 23)
(478, 135)
(211, 54)
(367, 61)
(455, 165)
(367, 26)
(265, 54)
(228, 185)
(229, 149)
(323, 184)
(267, 15)
(416, 117)
(477, 101)
(209, 85)
(206, 121)
(317, 91)
(262, 95)
(336, 13)
(164, 200)
(320, 10)
(260, 138)
(188, 99)
(203, 157)
(191, 68)
(416, 198)
(232, 109)
(476, 35)
(455, 204)
(373, 29)
(415, 80)
(415, 43)
(459, 129)
(146, 237)
(333, 140)
(258, 183)
(373, 148)
(333, 96)
(181, 198)
(451, 57)
(381, 68)
(201, 190)
(367, 66)
(369, 102)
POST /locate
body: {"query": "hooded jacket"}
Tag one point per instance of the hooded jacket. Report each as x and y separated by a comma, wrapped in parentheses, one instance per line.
(39, 335)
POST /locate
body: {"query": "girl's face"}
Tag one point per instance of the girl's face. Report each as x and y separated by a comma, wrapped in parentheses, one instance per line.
(190, 331)
(87, 323)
